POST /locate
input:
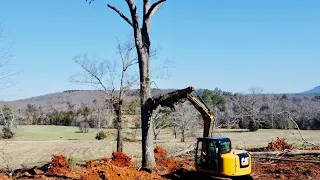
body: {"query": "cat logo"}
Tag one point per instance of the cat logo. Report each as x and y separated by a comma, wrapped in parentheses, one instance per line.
(244, 161)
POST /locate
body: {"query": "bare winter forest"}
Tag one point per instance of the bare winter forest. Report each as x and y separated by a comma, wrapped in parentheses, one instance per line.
(266, 111)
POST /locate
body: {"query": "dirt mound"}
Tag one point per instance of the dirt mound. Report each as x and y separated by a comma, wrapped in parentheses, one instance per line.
(3, 177)
(120, 159)
(113, 172)
(280, 144)
(59, 161)
(285, 170)
(160, 153)
(171, 165)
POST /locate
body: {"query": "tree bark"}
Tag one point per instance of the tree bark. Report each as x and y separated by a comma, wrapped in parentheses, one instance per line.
(119, 114)
(143, 46)
(119, 129)
(182, 135)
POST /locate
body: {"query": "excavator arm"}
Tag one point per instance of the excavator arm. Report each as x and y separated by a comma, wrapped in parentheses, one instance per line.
(205, 112)
(172, 98)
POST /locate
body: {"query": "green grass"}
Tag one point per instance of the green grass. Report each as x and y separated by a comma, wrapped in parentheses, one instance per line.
(41, 133)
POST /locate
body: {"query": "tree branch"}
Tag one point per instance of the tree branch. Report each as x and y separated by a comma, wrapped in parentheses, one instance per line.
(120, 14)
(297, 126)
(92, 74)
(154, 8)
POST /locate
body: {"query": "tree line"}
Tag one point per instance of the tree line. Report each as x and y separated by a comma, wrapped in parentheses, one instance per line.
(267, 111)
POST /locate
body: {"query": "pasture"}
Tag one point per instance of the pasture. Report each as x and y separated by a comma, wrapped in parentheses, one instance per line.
(33, 145)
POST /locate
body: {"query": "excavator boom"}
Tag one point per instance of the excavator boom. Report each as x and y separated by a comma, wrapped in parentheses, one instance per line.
(168, 100)
(205, 112)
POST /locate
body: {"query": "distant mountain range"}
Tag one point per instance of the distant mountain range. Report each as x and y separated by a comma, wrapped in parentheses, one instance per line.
(59, 100)
(315, 90)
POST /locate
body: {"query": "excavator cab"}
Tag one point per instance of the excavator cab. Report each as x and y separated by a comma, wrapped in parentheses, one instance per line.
(209, 150)
(214, 155)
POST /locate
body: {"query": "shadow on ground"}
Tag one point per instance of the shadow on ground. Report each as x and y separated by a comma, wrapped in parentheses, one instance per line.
(183, 174)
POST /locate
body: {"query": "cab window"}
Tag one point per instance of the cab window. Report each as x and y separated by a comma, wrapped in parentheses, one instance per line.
(225, 147)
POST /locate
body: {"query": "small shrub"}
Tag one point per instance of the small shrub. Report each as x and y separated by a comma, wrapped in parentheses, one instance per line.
(101, 135)
(84, 127)
(253, 126)
(7, 133)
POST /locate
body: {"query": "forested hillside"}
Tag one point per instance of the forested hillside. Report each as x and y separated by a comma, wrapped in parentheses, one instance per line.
(253, 110)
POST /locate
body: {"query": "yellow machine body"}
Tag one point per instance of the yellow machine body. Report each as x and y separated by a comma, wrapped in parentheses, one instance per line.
(214, 155)
(233, 165)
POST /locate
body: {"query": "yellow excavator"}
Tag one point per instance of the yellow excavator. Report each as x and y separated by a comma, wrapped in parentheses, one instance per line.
(212, 154)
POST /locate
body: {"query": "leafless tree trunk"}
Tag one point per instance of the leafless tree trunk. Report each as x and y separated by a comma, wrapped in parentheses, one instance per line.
(98, 106)
(174, 124)
(142, 42)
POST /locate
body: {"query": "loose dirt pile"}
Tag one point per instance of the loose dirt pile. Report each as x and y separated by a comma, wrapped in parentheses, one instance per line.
(171, 165)
(119, 167)
(160, 153)
(120, 159)
(280, 144)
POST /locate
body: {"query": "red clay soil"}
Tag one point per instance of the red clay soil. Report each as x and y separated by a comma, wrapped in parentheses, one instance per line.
(160, 153)
(59, 166)
(3, 177)
(120, 159)
(171, 165)
(121, 168)
(113, 172)
(285, 170)
(103, 169)
(59, 161)
(280, 144)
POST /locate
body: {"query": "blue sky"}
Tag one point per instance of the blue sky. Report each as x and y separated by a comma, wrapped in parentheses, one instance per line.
(232, 45)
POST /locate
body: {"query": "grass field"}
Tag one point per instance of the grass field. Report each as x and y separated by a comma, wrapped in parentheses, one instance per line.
(34, 145)
(42, 133)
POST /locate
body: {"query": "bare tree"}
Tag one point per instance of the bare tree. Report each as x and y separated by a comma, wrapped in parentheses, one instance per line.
(8, 118)
(186, 118)
(98, 107)
(104, 74)
(255, 104)
(272, 106)
(142, 43)
(6, 75)
(126, 82)
(161, 120)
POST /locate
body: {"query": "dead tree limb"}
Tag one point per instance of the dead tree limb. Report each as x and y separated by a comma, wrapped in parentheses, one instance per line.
(120, 14)
(154, 8)
(291, 119)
